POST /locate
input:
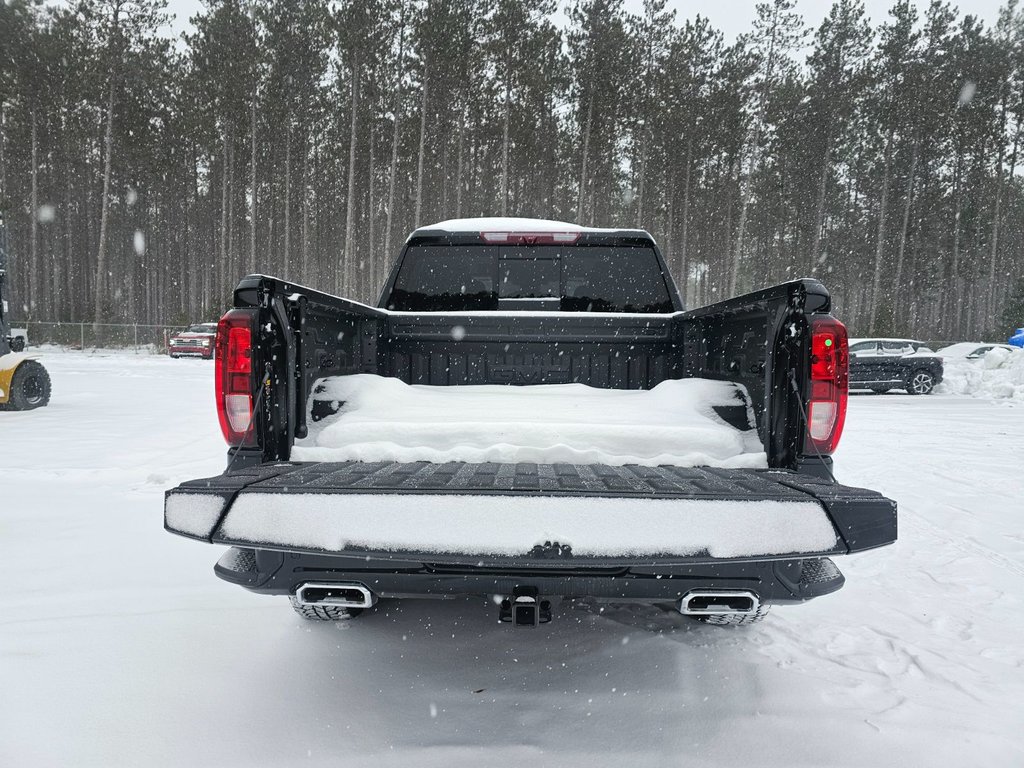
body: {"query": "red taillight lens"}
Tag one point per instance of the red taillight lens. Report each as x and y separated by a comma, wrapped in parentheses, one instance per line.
(234, 376)
(829, 382)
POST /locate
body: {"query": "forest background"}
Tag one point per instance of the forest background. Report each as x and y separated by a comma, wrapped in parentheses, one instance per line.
(141, 175)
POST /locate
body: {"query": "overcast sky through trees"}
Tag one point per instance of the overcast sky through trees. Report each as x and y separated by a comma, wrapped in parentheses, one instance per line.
(732, 17)
(141, 177)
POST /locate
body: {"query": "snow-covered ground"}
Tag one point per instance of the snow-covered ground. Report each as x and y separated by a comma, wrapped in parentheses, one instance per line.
(118, 646)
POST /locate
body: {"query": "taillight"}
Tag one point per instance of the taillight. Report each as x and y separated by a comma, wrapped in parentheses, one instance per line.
(235, 380)
(829, 382)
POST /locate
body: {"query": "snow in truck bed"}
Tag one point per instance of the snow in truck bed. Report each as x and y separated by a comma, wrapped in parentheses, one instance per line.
(385, 419)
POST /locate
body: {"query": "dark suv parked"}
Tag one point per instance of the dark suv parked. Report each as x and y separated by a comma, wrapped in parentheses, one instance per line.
(884, 364)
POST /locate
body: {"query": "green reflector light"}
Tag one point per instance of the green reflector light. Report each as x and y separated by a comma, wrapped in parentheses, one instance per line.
(828, 342)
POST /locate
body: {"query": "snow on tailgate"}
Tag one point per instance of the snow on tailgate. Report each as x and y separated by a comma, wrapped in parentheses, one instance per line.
(384, 419)
(513, 525)
(192, 513)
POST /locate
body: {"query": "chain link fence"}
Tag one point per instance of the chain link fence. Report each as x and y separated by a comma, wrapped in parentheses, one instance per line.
(142, 339)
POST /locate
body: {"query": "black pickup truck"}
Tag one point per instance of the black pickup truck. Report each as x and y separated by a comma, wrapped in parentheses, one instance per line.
(530, 414)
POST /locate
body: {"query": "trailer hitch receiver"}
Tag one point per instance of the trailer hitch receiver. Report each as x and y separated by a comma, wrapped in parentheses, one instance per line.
(525, 608)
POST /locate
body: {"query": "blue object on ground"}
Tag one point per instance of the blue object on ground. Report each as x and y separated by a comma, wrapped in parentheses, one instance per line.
(1018, 338)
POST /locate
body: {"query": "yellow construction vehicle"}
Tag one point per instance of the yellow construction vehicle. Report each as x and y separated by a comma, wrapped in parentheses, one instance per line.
(24, 382)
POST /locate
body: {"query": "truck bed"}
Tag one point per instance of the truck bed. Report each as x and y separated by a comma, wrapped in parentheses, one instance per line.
(681, 422)
(461, 512)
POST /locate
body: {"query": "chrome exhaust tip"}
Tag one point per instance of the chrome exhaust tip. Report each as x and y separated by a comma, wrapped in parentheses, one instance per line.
(343, 594)
(716, 602)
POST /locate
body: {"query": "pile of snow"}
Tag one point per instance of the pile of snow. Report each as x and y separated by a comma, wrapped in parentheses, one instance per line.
(385, 419)
(998, 375)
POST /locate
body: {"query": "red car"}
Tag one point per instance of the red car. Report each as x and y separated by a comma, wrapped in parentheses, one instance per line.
(195, 341)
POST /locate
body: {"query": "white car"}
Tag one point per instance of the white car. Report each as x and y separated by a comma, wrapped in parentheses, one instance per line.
(972, 350)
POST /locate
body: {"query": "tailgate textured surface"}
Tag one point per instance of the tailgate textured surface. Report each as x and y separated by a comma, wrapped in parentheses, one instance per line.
(864, 519)
(540, 479)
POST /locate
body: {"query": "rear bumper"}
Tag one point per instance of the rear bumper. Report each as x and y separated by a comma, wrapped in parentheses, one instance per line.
(190, 352)
(420, 530)
(773, 581)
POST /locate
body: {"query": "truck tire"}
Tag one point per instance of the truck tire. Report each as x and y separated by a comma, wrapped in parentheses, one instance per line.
(735, 619)
(324, 612)
(30, 387)
(920, 382)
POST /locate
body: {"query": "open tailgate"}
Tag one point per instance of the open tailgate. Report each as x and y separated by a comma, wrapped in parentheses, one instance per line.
(457, 512)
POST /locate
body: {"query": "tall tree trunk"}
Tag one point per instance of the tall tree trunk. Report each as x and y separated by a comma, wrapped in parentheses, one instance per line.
(3, 151)
(908, 199)
(232, 257)
(1006, 286)
(581, 189)
(641, 182)
(876, 281)
(669, 227)
(684, 241)
(423, 134)
(399, 74)
(461, 164)
(33, 269)
(197, 284)
(373, 258)
(722, 278)
(252, 182)
(746, 191)
(68, 308)
(819, 208)
(444, 174)
(990, 313)
(221, 287)
(305, 214)
(101, 250)
(506, 117)
(957, 285)
(349, 254)
(287, 254)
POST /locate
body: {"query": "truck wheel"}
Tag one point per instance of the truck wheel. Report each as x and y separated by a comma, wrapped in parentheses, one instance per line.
(735, 619)
(921, 382)
(30, 387)
(324, 612)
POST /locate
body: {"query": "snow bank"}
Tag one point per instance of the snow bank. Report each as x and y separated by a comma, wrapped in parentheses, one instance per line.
(999, 375)
(384, 419)
(513, 525)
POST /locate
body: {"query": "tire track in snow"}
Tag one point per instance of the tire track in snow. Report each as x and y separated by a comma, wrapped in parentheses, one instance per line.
(965, 545)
